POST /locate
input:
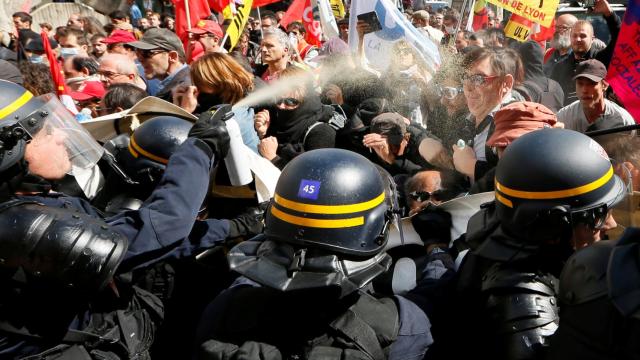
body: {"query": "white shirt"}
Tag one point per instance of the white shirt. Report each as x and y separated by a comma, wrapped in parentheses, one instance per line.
(574, 118)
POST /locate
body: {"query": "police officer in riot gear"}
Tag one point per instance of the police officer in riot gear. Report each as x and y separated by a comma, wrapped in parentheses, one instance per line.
(304, 289)
(554, 192)
(58, 253)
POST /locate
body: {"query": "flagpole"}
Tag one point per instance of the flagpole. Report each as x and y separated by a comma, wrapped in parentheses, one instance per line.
(186, 8)
(260, 19)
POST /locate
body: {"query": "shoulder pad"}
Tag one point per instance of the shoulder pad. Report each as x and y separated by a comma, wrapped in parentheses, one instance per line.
(624, 274)
(584, 276)
(504, 277)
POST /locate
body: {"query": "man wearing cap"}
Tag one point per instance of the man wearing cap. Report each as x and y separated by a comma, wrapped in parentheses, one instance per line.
(582, 39)
(118, 43)
(592, 111)
(207, 33)
(89, 96)
(402, 148)
(162, 56)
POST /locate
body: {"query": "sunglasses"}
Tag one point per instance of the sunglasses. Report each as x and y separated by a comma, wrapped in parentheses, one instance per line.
(426, 195)
(146, 54)
(477, 79)
(288, 101)
(448, 92)
(594, 218)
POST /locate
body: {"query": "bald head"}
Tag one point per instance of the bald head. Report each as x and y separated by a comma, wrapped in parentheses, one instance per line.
(581, 38)
(117, 69)
(566, 20)
(426, 182)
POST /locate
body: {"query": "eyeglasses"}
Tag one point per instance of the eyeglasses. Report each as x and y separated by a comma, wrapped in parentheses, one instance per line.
(477, 79)
(563, 28)
(288, 101)
(109, 74)
(146, 54)
(426, 195)
(448, 92)
(294, 33)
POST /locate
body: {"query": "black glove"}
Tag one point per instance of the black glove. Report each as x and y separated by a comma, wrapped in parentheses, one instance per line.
(249, 224)
(433, 225)
(211, 129)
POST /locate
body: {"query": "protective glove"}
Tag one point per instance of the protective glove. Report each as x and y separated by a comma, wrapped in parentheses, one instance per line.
(211, 129)
(249, 224)
(433, 225)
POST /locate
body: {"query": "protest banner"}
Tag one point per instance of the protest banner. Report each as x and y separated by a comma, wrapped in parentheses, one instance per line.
(394, 26)
(624, 69)
(322, 12)
(234, 30)
(518, 28)
(538, 11)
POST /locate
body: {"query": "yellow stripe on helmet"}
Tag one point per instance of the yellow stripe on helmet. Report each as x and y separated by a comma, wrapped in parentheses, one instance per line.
(15, 105)
(136, 151)
(329, 209)
(317, 223)
(548, 195)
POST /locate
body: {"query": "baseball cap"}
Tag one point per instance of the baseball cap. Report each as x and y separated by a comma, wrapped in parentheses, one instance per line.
(90, 90)
(517, 119)
(207, 26)
(591, 69)
(119, 36)
(392, 125)
(155, 38)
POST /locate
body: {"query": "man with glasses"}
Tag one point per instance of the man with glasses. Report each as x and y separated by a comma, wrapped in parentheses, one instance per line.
(118, 43)
(561, 42)
(119, 69)
(207, 34)
(162, 56)
(487, 82)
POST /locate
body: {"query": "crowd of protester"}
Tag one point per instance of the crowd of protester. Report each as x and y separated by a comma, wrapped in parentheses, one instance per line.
(439, 132)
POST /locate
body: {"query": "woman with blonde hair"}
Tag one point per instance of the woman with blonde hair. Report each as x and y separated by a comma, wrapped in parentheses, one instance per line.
(218, 79)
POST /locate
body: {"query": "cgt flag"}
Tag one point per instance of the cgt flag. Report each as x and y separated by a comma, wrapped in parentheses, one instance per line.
(302, 10)
(624, 69)
(394, 27)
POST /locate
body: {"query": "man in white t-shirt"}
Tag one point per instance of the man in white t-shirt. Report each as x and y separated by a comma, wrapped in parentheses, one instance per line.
(592, 111)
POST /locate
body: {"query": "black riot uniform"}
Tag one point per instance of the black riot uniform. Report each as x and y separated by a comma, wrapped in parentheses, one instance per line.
(58, 255)
(599, 287)
(303, 293)
(547, 183)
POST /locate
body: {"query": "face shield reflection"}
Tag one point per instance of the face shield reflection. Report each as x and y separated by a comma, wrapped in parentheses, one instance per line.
(53, 118)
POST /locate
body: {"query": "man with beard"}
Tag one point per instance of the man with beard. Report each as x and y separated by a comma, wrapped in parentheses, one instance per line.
(561, 42)
(581, 43)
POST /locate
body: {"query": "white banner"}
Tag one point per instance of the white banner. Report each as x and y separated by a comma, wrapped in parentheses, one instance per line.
(323, 13)
(395, 26)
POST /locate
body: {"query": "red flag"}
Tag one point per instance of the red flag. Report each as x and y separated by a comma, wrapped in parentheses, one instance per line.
(302, 10)
(198, 9)
(218, 5)
(56, 71)
(258, 3)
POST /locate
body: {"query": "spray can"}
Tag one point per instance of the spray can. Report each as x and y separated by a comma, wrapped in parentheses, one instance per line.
(461, 144)
(237, 161)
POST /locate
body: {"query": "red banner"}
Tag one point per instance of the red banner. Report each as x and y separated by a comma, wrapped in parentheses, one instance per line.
(301, 10)
(56, 72)
(198, 9)
(259, 3)
(624, 69)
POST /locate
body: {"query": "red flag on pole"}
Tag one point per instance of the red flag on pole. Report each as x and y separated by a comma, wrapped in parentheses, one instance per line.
(56, 71)
(218, 5)
(301, 10)
(195, 10)
(58, 76)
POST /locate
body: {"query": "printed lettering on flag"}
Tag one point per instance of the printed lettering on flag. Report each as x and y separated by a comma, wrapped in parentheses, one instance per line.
(518, 28)
(538, 11)
(624, 69)
(238, 22)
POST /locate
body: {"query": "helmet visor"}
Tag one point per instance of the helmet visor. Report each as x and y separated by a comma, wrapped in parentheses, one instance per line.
(82, 149)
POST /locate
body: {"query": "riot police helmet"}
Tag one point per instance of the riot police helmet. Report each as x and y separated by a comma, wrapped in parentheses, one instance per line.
(549, 180)
(334, 200)
(24, 116)
(151, 145)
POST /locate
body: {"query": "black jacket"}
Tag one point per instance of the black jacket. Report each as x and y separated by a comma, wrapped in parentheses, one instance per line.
(563, 71)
